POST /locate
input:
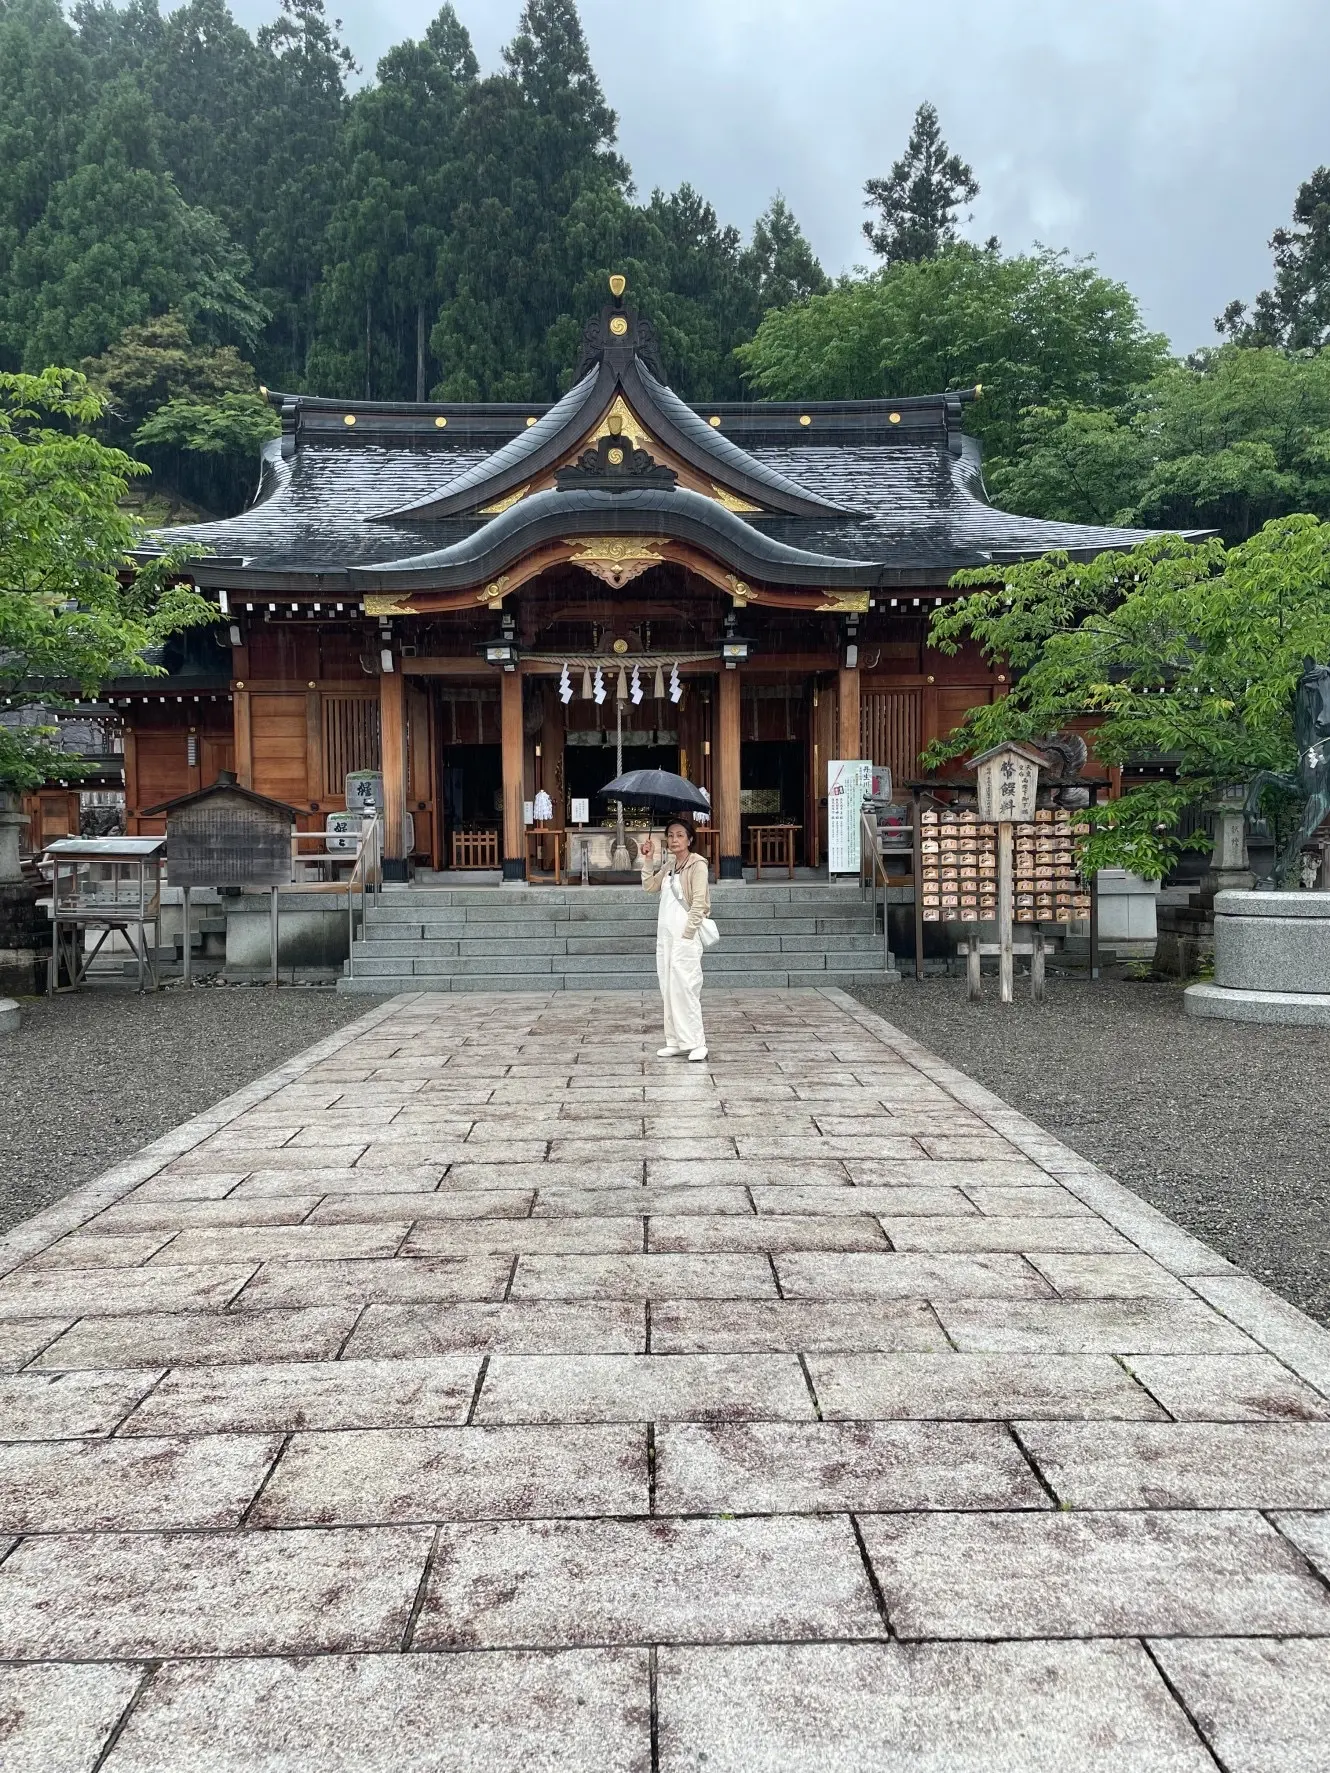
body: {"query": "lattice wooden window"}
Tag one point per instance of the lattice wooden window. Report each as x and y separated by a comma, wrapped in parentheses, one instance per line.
(350, 738)
(891, 725)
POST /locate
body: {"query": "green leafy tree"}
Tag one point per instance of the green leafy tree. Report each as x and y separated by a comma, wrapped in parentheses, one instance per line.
(1296, 312)
(44, 98)
(151, 364)
(298, 116)
(918, 201)
(782, 263)
(540, 191)
(1228, 440)
(1038, 329)
(1180, 652)
(381, 280)
(75, 607)
(194, 412)
(116, 244)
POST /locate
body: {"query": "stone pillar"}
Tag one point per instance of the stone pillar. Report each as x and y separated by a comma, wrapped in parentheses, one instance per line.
(725, 773)
(514, 779)
(392, 739)
(848, 735)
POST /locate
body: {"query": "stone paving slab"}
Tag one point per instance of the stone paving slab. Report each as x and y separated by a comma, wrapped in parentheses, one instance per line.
(504, 1712)
(668, 1581)
(196, 1338)
(825, 1467)
(71, 1486)
(478, 1391)
(1264, 1707)
(110, 1595)
(457, 1474)
(1108, 1574)
(283, 1396)
(922, 1708)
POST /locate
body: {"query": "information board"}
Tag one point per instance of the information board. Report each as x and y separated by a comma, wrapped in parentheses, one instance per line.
(849, 782)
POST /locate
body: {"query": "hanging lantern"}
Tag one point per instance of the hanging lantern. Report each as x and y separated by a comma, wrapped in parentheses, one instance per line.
(565, 685)
(621, 689)
(636, 692)
(598, 692)
(676, 688)
(586, 683)
(659, 691)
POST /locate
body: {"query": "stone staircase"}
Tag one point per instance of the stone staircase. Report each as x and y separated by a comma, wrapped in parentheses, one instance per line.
(426, 938)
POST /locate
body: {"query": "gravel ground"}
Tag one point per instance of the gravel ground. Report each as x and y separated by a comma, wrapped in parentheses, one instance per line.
(1224, 1126)
(91, 1078)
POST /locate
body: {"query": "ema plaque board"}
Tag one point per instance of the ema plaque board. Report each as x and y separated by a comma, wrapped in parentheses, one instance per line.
(225, 838)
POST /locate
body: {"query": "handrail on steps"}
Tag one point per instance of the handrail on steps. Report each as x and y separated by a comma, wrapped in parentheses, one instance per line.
(872, 870)
(368, 866)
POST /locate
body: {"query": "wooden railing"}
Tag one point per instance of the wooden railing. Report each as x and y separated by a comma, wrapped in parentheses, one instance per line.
(475, 849)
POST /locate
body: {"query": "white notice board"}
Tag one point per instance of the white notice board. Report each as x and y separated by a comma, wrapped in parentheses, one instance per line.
(849, 782)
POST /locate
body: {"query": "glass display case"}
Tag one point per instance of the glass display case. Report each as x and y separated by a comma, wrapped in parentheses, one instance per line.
(106, 884)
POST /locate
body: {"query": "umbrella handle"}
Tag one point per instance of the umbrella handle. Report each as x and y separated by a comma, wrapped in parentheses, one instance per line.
(646, 848)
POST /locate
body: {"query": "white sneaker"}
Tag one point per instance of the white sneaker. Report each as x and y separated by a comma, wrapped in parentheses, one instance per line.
(698, 1053)
(669, 1052)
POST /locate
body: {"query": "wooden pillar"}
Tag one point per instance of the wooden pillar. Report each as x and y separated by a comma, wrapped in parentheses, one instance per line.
(725, 775)
(510, 732)
(392, 739)
(550, 773)
(244, 739)
(848, 737)
(131, 755)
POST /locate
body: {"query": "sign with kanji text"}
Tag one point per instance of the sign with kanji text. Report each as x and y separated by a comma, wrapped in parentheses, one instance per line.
(1008, 777)
(849, 783)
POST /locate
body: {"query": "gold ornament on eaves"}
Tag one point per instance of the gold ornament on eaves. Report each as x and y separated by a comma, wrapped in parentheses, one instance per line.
(616, 559)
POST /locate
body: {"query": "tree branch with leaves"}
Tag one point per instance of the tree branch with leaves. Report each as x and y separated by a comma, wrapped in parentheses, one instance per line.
(1185, 655)
(76, 606)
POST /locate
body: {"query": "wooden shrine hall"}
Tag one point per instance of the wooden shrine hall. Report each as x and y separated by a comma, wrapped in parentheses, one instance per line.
(485, 602)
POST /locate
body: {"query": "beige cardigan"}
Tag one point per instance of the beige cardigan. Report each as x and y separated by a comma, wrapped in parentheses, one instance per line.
(693, 880)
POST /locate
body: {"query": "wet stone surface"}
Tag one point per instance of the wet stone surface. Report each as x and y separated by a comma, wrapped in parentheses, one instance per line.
(487, 1394)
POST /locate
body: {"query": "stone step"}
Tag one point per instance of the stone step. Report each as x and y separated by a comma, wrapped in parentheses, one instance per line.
(642, 910)
(641, 969)
(515, 948)
(364, 985)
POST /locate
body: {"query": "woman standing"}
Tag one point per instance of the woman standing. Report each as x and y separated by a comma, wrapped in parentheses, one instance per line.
(681, 881)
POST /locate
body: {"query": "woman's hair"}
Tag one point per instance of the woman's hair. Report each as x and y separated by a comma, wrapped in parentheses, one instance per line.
(685, 823)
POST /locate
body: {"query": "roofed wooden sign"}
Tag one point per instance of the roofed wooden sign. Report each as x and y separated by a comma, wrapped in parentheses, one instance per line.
(227, 836)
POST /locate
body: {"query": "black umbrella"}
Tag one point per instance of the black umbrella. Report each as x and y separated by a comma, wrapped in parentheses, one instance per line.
(661, 790)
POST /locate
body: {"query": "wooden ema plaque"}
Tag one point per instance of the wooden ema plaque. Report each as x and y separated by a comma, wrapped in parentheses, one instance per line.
(959, 868)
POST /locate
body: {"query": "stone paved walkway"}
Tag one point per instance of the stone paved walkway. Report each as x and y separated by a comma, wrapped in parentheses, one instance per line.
(480, 1392)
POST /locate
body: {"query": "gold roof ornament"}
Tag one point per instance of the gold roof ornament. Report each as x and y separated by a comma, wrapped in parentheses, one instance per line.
(501, 505)
(844, 603)
(616, 559)
(618, 325)
(620, 421)
(739, 591)
(379, 603)
(618, 283)
(732, 501)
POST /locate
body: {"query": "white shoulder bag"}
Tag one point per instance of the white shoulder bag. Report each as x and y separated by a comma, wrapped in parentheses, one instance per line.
(707, 933)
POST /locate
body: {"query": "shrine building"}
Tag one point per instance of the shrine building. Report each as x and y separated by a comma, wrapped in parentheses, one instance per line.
(481, 600)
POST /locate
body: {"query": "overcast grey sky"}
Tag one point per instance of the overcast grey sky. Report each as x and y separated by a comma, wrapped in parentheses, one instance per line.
(1167, 137)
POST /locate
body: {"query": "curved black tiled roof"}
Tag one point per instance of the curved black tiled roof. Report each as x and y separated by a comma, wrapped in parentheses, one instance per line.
(852, 493)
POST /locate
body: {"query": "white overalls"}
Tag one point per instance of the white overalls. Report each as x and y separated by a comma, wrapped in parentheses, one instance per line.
(679, 969)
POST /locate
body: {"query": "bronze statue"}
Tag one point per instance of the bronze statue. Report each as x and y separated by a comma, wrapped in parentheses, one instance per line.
(1311, 779)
